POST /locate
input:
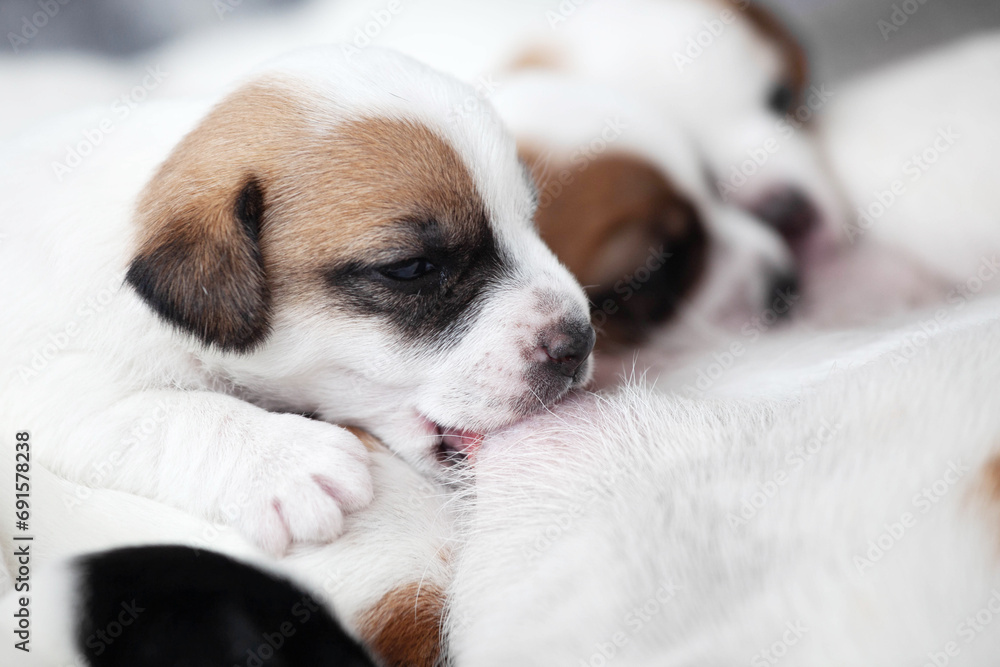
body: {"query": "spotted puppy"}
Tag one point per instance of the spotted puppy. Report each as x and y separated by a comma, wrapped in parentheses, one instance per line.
(622, 202)
(323, 241)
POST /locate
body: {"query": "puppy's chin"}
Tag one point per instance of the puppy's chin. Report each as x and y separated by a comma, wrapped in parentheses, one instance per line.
(487, 407)
(435, 442)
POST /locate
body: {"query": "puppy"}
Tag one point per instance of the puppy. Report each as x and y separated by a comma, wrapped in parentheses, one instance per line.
(849, 518)
(730, 71)
(175, 605)
(383, 582)
(736, 78)
(765, 525)
(623, 205)
(323, 241)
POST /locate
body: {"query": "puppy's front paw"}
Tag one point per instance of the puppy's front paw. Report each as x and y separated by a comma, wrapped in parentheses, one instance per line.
(311, 474)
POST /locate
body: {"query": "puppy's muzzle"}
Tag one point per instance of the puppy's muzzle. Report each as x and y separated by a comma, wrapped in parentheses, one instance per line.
(564, 348)
(791, 213)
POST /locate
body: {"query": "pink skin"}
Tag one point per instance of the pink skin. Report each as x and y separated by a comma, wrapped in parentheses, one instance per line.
(574, 404)
(454, 440)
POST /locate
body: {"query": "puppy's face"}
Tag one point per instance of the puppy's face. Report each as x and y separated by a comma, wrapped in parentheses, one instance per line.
(622, 203)
(737, 79)
(364, 261)
(635, 242)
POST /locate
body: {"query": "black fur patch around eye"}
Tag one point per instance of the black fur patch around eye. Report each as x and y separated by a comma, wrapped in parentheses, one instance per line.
(165, 606)
(441, 309)
(654, 296)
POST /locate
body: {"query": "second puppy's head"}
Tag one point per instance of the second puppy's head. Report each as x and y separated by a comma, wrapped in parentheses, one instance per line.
(737, 79)
(339, 242)
(623, 204)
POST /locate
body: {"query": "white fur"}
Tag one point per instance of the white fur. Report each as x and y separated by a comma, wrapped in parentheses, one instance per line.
(946, 214)
(583, 517)
(628, 44)
(403, 537)
(116, 398)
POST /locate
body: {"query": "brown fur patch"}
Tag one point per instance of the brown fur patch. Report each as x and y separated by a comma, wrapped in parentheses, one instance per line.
(983, 496)
(331, 192)
(371, 443)
(991, 481)
(605, 222)
(536, 56)
(772, 28)
(404, 627)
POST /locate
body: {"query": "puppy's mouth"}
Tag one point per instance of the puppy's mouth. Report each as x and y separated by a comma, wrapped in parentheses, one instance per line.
(452, 445)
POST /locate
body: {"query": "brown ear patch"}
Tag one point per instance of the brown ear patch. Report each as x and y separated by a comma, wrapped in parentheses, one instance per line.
(632, 239)
(203, 271)
(274, 192)
(772, 28)
(404, 627)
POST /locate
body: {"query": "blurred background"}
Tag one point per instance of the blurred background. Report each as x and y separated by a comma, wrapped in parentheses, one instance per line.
(844, 36)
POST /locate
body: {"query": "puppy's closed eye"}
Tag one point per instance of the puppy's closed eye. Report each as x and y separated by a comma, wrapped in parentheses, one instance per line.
(781, 99)
(632, 239)
(410, 270)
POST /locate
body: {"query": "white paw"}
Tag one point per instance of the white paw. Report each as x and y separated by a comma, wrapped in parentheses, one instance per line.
(308, 475)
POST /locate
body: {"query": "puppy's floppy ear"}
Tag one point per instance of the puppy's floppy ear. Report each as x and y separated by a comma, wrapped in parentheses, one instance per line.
(199, 264)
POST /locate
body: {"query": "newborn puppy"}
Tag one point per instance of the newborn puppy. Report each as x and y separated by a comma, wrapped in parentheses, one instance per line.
(850, 519)
(735, 77)
(650, 528)
(325, 240)
(623, 204)
(384, 581)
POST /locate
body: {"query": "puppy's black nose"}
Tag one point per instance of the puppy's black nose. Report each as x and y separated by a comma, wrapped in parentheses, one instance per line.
(567, 345)
(790, 212)
(783, 294)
